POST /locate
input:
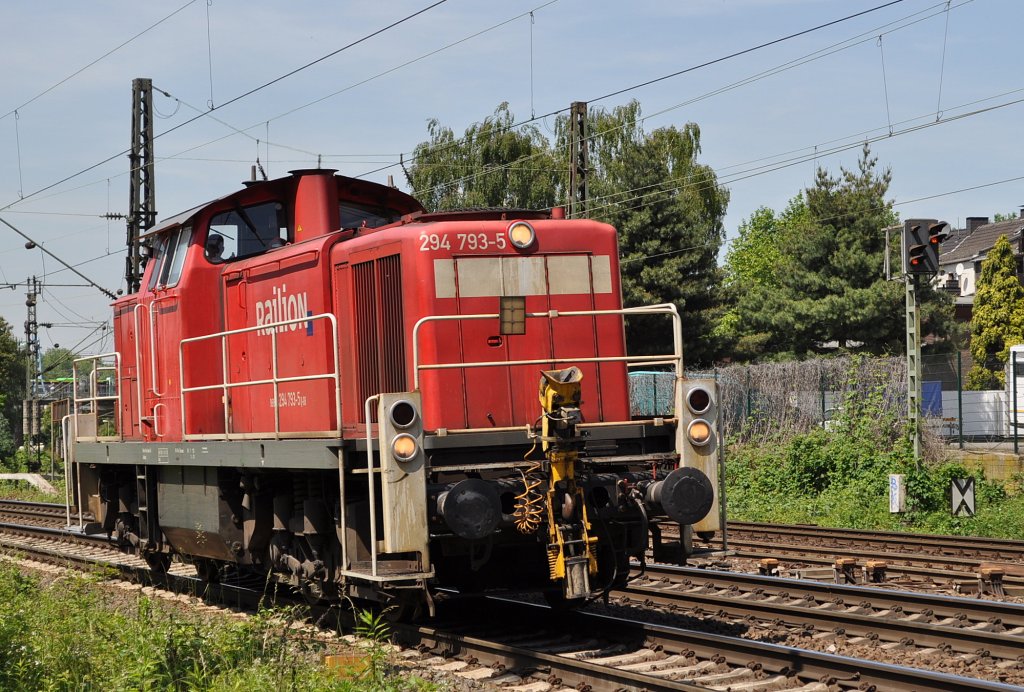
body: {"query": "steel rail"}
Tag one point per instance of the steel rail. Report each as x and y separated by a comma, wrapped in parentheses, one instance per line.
(940, 606)
(841, 619)
(806, 665)
(742, 655)
(913, 563)
(956, 544)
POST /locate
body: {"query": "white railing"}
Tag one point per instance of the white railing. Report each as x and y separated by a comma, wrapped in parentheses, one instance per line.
(94, 399)
(674, 360)
(225, 386)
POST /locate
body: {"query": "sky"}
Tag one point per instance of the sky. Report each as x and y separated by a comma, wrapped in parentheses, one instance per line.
(936, 87)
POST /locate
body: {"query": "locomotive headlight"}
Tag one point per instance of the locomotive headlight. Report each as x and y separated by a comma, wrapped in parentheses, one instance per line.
(699, 432)
(404, 447)
(402, 414)
(521, 234)
(698, 400)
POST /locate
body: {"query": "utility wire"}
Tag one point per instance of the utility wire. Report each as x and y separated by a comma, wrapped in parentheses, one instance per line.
(833, 217)
(47, 252)
(105, 55)
(793, 161)
(669, 76)
(747, 50)
(890, 27)
(241, 96)
(244, 131)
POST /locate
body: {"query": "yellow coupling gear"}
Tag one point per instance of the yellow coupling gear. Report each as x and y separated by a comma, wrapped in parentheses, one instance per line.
(571, 553)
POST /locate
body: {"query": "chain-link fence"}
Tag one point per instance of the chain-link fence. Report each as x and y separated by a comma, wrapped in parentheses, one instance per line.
(761, 402)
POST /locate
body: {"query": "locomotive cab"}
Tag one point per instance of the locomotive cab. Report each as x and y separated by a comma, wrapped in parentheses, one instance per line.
(323, 383)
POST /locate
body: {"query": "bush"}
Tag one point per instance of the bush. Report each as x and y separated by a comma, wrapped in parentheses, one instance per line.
(839, 477)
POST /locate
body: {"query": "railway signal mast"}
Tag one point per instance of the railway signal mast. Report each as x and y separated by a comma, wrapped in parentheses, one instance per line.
(922, 239)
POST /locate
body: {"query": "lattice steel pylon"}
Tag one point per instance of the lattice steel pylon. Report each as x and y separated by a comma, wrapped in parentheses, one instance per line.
(578, 160)
(142, 195)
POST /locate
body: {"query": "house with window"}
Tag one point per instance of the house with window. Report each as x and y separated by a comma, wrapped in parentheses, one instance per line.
(965, 250)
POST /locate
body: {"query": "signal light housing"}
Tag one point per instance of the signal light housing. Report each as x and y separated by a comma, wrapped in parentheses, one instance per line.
(403, 414)
(404, 447)
(403, 474)
(922, 239)
(697, 442)
(937, 233)
(699, 432)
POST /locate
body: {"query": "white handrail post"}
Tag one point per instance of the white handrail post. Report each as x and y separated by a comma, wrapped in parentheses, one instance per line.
(273, 375)
(371, 488)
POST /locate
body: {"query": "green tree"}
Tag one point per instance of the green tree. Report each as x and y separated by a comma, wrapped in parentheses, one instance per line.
(997, 321)
(12, 382)
(753, 260)
(667, 207)
(669, 210)
(1003, 217)
(831, 292)
(494, 164)
(58, 363)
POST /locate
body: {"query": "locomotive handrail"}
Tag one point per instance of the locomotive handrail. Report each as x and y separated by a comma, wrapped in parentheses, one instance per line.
(152, 351)
(675, 359)
(372, 488)
(94, 399)
(225, 386)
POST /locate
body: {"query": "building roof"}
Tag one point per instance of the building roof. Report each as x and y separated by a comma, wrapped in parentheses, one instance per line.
(964, 246)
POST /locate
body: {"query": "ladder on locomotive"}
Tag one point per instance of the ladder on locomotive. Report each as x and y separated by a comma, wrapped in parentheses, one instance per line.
(145, 494)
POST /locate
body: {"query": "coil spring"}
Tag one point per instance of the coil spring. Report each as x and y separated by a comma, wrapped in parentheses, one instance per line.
(529, 508)
(553, 553)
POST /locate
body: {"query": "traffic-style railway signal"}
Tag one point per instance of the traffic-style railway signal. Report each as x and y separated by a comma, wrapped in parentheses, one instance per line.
(921, 241)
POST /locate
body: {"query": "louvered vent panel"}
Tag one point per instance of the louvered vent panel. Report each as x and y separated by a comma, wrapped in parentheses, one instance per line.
(392, 332)
(365, 300)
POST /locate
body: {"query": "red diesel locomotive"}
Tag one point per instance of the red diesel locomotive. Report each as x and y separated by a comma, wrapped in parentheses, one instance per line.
(319, 381)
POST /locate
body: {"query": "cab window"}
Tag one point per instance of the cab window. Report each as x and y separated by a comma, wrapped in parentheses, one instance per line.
(363, 216)
(246, 231)
(169, 257)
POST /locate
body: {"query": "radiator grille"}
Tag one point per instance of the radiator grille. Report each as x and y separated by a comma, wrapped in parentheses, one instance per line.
(380, 330)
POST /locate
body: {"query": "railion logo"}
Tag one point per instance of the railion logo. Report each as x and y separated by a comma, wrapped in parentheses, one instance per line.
(281, 307)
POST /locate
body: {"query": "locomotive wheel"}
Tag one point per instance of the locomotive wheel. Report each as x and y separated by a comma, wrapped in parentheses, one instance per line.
(159, 563)
(559, 603)
(403, 606)
(207, 570)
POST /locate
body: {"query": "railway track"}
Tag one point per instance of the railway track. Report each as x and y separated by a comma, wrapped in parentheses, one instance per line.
(38, 513)
(856, 616)
(671, 657)
(550, 650)
(935, 546)
(965, 565)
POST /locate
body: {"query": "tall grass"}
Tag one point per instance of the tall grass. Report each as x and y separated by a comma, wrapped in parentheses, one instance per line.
(70, 635)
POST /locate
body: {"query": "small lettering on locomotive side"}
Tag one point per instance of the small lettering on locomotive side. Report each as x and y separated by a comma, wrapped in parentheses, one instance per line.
(281, 307)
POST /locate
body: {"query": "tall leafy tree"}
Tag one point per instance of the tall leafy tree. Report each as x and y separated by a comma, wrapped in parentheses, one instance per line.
(997, 320)
(752, 263)
(669, 210)
(58, 362)
(12, 383)
(667, 207)
(494, 164)
(831, 291)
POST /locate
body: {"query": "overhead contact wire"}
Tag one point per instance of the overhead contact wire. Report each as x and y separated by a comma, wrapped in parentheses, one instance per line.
(239, 97)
